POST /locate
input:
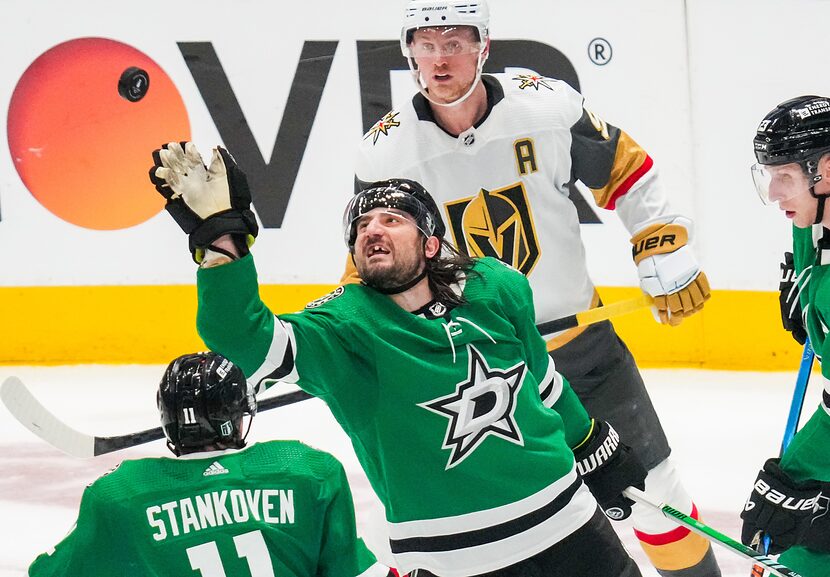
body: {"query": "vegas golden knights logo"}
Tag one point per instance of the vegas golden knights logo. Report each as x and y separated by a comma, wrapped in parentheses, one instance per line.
(496, 223)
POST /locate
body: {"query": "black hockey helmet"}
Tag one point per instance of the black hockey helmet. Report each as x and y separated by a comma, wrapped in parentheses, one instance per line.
(797, 130)
(202, 399)
(398, 193)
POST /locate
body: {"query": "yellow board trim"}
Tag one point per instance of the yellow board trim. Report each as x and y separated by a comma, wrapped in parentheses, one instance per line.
(737, 330)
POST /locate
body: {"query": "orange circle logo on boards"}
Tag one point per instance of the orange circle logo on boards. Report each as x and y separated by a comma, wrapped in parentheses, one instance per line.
(83, 150)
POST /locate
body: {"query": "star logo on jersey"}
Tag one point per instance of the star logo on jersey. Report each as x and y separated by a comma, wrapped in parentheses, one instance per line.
(532, 81)
(496, 223)
(382, 126)
(481, 406)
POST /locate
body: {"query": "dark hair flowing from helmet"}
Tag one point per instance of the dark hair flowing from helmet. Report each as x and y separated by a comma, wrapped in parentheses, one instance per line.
(445, 269)
(447, 266)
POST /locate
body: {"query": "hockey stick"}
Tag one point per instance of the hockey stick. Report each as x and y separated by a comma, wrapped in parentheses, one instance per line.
(761, 541)
(804, 370)
(711, 534)
(596, 315)
(34, 416)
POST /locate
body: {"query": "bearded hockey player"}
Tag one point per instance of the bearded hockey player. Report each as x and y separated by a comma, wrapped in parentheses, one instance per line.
(500, 152)
(435, 370)
(219, 508)
(790, 497)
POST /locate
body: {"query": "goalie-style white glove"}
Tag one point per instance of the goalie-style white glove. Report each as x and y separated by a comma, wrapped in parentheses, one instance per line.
(206, 202)
(668, 269)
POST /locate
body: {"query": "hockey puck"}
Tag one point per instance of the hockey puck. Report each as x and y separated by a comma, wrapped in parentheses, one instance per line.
(133, 84)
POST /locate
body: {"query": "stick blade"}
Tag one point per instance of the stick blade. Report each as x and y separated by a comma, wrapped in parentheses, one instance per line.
(34, 416)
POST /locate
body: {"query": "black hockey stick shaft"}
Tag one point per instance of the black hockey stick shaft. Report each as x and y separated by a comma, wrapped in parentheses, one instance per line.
(104, 445)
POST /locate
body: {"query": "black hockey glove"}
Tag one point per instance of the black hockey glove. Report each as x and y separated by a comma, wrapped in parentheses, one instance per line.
(779, 507)
(206, 202)
(817, 536)
(608, 467)
(788, 299)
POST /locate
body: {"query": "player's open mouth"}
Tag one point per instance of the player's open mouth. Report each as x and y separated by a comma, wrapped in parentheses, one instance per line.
(376, 250)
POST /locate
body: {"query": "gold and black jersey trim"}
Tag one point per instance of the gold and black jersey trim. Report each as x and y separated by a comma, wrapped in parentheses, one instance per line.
(606, 159)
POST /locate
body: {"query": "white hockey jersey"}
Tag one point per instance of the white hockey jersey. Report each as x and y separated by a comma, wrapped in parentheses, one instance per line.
(503, 184)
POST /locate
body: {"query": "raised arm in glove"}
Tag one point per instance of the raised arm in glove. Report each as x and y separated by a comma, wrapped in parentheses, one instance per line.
(207, 202)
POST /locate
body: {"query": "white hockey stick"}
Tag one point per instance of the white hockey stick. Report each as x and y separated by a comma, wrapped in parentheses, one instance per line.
(714, 536)
(34, 416)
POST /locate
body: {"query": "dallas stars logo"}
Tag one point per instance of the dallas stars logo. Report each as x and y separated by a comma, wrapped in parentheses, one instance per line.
(532, 81)
(382, 126)
(482, 405)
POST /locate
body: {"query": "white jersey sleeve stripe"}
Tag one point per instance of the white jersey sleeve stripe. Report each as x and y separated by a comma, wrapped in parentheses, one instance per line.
(279, 361)
(551, 386)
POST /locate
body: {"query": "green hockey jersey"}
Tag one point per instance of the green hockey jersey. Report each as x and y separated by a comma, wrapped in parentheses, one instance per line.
(807, 456)
(457, 415)
(275, 509)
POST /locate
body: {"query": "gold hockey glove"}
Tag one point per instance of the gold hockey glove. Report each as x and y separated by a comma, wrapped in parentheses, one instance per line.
(668, 269)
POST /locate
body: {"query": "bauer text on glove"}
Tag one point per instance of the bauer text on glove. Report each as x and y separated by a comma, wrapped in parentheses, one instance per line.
(779, 507)
(668, 269)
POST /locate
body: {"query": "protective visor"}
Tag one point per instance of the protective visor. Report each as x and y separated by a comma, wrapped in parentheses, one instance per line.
(397, 202)
(449, 42)
(775, 183)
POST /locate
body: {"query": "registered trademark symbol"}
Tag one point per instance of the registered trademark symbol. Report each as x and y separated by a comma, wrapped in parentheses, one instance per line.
(599, 51)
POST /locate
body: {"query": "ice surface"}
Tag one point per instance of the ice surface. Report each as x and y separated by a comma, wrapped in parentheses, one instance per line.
(722, 426)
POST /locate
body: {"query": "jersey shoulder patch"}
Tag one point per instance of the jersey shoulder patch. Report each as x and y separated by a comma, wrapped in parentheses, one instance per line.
(390, 122)
(533, 82)
(326, 298)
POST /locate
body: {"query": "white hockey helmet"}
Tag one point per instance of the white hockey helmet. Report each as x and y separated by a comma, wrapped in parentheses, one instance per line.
(428, 13)
(445, 13)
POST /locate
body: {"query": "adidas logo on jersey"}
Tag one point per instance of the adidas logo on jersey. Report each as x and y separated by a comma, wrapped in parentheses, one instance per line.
(215, 469)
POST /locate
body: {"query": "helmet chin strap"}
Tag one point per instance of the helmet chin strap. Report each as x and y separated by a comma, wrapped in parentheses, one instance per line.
(401, 288)
(821, 198)
(416, 74)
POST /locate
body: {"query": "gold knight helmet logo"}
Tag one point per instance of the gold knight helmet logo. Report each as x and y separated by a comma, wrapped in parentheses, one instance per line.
(496, 223)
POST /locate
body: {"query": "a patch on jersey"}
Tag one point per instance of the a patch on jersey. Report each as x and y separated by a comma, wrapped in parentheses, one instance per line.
(382, 126)
(482, 405)
(325, 298)
(532, 81)
(496, 223)
(438, 309)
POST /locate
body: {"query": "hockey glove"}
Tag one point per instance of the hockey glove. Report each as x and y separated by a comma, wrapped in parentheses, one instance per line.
(817, 536)
(779, 507)
(669, 271)
(608, 467)
(206, 202)
(789, 290)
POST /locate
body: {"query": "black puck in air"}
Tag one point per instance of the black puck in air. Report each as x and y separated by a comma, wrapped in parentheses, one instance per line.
(133, 84)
